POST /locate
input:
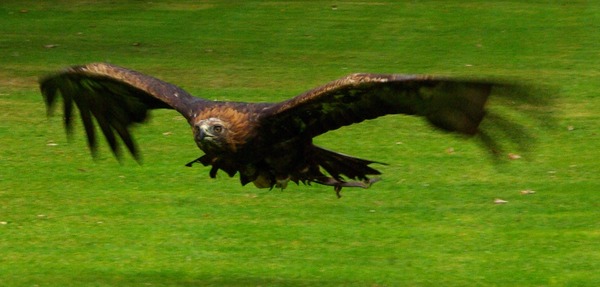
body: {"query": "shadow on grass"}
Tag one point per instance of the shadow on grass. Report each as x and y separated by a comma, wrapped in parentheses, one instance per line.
(517, 115)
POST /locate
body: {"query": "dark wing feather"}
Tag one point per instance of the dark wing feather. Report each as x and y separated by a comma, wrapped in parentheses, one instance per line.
(115, 97)
(455, 105)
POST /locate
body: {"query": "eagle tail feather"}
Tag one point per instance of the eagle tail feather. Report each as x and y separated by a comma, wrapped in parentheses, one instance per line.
(337, 164)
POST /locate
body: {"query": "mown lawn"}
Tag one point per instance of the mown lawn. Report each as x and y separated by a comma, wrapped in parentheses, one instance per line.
(69, 220)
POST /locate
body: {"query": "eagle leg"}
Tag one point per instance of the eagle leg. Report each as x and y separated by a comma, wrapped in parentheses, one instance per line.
(338, 183)
(213, 171)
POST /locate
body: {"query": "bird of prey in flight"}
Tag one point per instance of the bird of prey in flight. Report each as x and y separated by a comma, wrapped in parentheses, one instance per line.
(268, 144)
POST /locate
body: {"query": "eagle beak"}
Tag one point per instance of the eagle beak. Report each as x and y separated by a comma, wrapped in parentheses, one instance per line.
(201, 134)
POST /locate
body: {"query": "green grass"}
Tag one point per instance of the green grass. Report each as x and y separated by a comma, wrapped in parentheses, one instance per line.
(67, 220)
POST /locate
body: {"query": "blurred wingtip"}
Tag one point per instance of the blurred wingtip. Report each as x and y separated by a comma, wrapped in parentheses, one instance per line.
(49, 96)
(517, 114)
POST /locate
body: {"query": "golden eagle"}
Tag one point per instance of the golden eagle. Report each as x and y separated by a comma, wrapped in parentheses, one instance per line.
(268, 144)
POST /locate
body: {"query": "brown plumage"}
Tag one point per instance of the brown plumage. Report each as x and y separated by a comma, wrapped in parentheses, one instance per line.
(268, 144)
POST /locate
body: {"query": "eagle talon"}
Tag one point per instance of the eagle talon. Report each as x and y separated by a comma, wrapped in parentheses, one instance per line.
(337, 190)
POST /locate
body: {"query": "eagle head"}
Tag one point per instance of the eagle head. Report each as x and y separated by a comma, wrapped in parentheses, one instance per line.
(211, 135)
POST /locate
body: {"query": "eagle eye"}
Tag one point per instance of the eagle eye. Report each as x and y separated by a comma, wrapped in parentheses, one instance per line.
(217, 129)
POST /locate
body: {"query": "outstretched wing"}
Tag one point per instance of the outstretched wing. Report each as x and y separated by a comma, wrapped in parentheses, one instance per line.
(455, 105)
(116, 97)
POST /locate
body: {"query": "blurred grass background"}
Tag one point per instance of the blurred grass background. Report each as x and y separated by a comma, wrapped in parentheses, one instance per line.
(68, 220)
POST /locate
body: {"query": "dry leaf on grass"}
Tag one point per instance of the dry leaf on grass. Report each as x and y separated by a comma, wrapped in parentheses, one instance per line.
(513, 156)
